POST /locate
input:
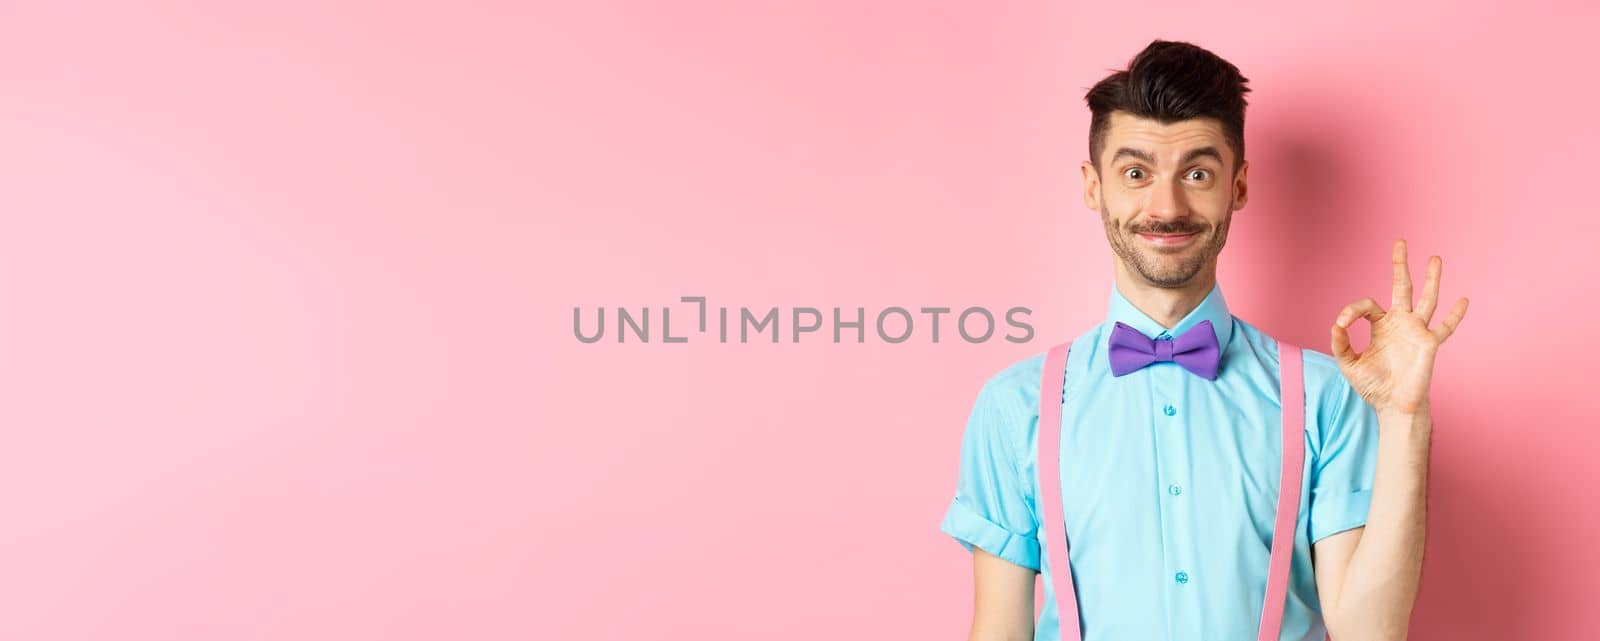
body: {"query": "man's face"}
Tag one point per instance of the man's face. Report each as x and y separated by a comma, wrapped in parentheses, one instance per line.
(1166, 194)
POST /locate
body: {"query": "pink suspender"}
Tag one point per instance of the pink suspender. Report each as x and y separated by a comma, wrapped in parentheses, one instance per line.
(1051, 394)
(1291, 396)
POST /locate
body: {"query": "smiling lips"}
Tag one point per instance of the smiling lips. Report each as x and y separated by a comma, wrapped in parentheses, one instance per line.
(1168, 240)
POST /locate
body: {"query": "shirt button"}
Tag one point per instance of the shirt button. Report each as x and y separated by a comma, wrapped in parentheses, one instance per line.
(1169, 410)
(1175, 489)
(1181, 577)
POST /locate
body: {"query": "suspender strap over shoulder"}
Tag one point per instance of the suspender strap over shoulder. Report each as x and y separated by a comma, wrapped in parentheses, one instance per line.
(1291, 395)
(1052, 533)
(1052, 388)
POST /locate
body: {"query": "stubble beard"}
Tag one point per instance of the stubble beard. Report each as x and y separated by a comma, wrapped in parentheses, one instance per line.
(1161, 268)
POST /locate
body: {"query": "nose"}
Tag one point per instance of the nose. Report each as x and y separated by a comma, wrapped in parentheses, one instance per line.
(1167, 202)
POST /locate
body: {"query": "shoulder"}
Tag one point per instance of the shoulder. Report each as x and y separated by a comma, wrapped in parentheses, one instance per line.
(1322, 375)
(1016, 385)
(1004, 414)
(1329, 395)
(1332, 404)
(1319, 370)
(1014, 388)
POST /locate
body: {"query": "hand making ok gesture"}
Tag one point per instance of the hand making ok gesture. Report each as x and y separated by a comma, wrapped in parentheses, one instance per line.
(1393, 374)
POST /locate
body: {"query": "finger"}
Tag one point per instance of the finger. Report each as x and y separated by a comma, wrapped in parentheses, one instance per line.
(1448, 325)
(1341, 345)
(1430, 290)
(1364, 308)
(1402, 278)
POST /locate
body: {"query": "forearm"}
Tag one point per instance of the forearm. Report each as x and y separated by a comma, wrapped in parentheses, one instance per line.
(1380, 584)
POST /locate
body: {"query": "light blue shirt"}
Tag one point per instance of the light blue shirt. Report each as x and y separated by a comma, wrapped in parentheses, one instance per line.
(1170, 481)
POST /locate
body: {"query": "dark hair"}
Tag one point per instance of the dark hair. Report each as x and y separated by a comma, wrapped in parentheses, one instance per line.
(1169, 82)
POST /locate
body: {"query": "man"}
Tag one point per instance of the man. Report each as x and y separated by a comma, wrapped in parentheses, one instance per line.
(1169, 478)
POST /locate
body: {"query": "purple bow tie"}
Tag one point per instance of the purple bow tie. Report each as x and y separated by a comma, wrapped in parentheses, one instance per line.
(1196, 350)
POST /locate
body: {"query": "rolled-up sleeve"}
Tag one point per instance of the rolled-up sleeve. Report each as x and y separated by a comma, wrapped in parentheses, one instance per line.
(992, 505)
(1341, 482)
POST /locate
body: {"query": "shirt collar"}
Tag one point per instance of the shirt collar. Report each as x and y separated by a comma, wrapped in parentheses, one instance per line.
(1213, 309)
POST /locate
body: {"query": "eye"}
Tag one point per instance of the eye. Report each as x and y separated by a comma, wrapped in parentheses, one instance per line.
(1135, 173)
(1203, 174)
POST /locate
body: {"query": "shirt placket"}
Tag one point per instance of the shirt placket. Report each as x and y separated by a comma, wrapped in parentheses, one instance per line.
(1174, 491)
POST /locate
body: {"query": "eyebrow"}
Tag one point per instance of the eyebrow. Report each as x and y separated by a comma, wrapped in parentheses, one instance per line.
(1150, 158)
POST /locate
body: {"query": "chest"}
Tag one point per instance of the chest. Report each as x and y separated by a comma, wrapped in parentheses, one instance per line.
(1162, 452)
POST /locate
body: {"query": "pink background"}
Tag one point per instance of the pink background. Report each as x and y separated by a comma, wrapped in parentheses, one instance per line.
(287, 345)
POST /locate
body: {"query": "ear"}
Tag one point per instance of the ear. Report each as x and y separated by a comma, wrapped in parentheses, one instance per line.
(1241, 188)
(1091, 187)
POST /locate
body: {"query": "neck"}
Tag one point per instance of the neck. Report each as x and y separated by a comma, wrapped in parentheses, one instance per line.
(1166, 305)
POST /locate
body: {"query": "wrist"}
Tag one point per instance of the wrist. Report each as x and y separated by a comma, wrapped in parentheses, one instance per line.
(1419, 410)
(1419, 419)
